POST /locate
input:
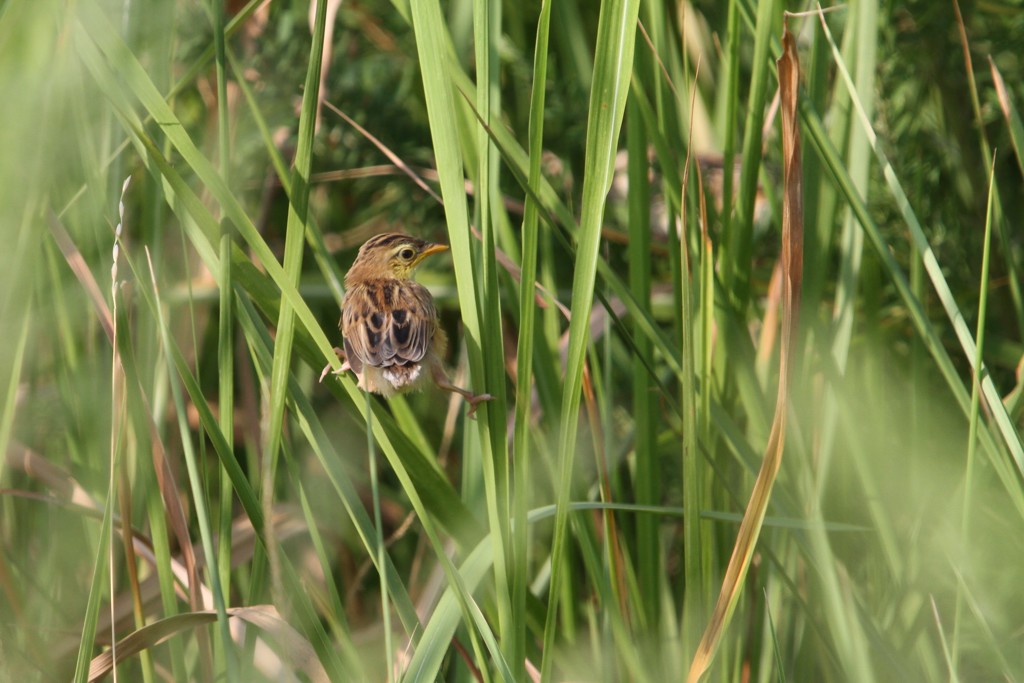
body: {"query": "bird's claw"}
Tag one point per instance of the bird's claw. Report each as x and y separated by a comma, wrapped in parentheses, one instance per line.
(345, 367)
(474, 402)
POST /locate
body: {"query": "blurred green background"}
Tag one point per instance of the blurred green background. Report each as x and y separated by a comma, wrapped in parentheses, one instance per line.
(892, 546)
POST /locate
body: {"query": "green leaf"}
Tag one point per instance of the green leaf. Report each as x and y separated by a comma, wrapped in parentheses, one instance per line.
(613, 63)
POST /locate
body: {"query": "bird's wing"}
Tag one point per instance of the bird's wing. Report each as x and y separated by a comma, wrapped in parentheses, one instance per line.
(386, 323)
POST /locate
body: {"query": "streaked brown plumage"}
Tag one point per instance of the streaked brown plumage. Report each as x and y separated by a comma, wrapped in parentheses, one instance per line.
(393, 340)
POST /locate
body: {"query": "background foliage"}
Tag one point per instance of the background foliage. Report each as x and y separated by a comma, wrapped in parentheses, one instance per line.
(580, 528)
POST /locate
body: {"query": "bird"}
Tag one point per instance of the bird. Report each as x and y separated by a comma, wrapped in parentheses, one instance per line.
(393, 339)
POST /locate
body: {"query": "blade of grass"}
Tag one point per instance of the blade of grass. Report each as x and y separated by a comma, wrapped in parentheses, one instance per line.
(314, 236)
(486, 35)
(225, 337)
(648, 477)
(122, 457)
(738, 239)
(525, 348)
(616, 36)
(433, 50)
(92, 607)
(11, 395)
(974, 416)
(378, 525)
(780, 671)
(727, 105)
(695, 545)
(298, 208)
(333, 611)
(264, 617)
(1013, 122)
(792, 271)
(704, 587)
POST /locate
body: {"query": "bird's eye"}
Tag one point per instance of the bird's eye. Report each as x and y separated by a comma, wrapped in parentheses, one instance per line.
(407, 254)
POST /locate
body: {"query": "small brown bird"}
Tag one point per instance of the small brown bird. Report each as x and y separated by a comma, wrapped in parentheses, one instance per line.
(393, 338)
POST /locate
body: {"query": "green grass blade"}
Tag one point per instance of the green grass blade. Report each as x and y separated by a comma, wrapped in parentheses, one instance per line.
(737, 247)
(616, 36)
(1016, 277)
(648, 475)
(225, 340)
(487, 33)
(314, 236)
(378, 526)
(525, 349)
(433, 50)
(11, 395)
(96, 590)
(298, 208)
(974, 415)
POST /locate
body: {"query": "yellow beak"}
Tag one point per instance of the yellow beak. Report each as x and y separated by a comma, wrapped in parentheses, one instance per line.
(433, 249)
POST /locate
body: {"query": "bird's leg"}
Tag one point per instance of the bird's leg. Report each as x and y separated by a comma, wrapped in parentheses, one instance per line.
(344, 366)
(474, 400)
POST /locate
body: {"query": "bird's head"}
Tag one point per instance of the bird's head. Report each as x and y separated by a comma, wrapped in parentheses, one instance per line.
(392, 255)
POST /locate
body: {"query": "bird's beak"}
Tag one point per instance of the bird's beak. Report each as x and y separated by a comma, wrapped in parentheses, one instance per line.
(433, 249)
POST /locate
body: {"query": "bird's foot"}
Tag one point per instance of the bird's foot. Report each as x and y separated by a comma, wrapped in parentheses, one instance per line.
(345, 367)
(474, 401)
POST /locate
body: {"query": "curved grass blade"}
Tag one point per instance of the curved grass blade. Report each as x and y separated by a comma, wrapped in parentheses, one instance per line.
(264, 617)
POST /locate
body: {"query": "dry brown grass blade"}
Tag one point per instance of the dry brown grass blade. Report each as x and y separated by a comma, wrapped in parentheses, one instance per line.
(1009, 113)
(264, 617)
(325, 59)
(81, 270)
(600, 455)
(57, 479)
(792, 271)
